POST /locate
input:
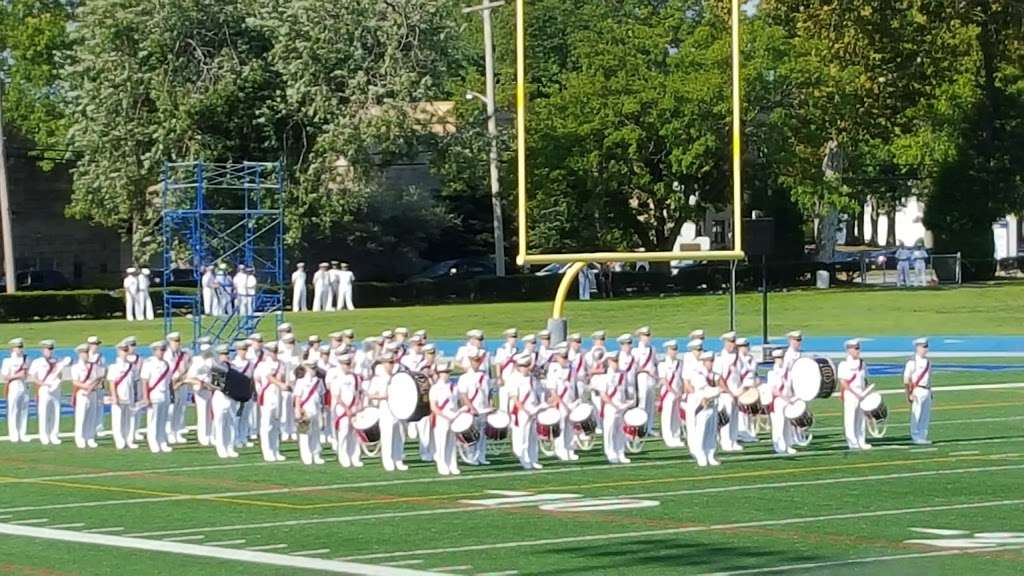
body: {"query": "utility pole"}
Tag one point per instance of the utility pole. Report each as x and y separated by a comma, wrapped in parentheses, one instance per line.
(485, 8)
(5, 207)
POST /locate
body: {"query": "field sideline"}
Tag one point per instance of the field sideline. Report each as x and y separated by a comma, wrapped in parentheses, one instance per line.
(975, 309)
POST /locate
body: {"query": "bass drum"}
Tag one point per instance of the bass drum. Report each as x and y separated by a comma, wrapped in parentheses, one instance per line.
(367, 425)
(497, 425)
(235, 384)
(464, 429)
(409, 396)
(813, 378)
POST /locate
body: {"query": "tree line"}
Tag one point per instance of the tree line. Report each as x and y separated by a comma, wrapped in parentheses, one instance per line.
(629, 132)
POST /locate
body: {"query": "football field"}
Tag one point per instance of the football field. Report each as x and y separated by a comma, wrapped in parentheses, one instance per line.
(956, 507)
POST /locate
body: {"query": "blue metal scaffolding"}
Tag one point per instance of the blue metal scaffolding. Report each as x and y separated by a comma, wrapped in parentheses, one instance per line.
(223, 215)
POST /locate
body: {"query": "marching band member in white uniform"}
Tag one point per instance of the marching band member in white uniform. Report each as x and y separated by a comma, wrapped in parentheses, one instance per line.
(14, 371)
(208, 282)
(646, 362)
(333, 285)
(223, 409)
(347, 398)
(474, 393)
(852, 375)
(131, 294)
(307, 402)
(530, 349)
(321, 287)
(615, 393)
(691, 360)
(703, 413)
(917, 381)
(243, 424)
(670, 375)
(198, 378)
(46, 373)
(362, 362)
(144, 305)
(578, 365)
(83, 379)
(748, 379)
(98, 392)
(525, 397)
(346, 280)
(727, 371)
(474, 341)
(413, 357)
(299, 288)
(392, 430)
(562, 391)
(179, 360)
(782, 395)
(505, 366)
(443, 409)
(268, 377)
(544, 350)
(156, 381)
(121, 376)
(796, 341)
(595, 363)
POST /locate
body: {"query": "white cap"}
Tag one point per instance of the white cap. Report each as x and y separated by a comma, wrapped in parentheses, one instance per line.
(707, 355)
(728, 336)
(205, 348)
(921, 342)
(544, 334)
(697, 334)
(16, 342)
(574, 337)
(695, 344)
(270, 347)
(48, 344)
(429, 349)
(778, 353)
(94, 340)
(524, 360)
(416, 339)
(335, 335)
(325, 348)
(386, 357)
(852, 343)
(313, 338)
(289, 337)
(173, 336)
(795, 335)
(478, 334)
(387, 334)
(599, 335)
(323, 265)
(742, 342)
(671, 344)
(241, 344)
(145, 271)
(286, 327)
(443, 367)
(421, 333)
(345, 359)
(158, 345)
(511, 333)
(529, 338)
(643, 331)
(348, 333)
(625, 339)
(402, 330)
(204, 340)
(256, 336)
(131, 270)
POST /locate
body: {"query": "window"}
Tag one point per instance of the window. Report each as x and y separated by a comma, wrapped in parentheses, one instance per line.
(718, 232)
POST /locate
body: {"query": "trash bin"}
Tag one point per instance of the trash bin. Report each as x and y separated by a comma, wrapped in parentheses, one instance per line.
(824, 279)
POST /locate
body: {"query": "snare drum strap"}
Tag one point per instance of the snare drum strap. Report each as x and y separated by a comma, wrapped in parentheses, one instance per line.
(665, 389)
(920, 377)
(440, 408)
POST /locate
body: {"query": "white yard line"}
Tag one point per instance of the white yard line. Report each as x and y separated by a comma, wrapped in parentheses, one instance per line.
(933, 423)
(873, 559)
(31, 521)
(505, 573)
(103, 434)
(268, 547)
(184, 538)
(402, 563)
(72, 525)
(104, 530)
(310, 552)
(453, 568)
(466, 509)
(139, 472)
(225, 543)
(964, 453)
(225, 554)
(669, 531)
(5, 516)
(963, 388)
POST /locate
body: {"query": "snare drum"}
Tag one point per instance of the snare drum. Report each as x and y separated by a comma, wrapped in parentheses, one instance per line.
(464, 428)
(409, 396)
(549, 422)
(366, 423)
(497, 425)
(813, 378)
(798, 415)
(583, 416)
(750, 401)
(874, 407)
(635, 422)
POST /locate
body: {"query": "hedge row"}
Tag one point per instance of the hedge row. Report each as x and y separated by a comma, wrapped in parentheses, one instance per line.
(89, 304)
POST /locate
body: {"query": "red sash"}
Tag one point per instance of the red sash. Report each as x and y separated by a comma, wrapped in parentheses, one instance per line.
(120, 379)
(149, 389)
(665, 389)
(479, 385)
(647, 361)
(49, 371)
(615, 391)
(920, 377)
(728, 373)
(515, 409)
(860, 368)
(441, 407)
(309, 396)
(342, 416)
(14, 377)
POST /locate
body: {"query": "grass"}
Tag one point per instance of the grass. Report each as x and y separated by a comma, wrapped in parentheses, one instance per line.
(988, 310)
(756, 511)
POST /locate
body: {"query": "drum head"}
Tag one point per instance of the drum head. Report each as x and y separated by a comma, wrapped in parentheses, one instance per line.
(635, 417)
(765, 392)
(710, 393)
(806, 378)
(871, 402)
(366, 418)
(749, 396)
(795, 410)
(462, 422)
(498, 420)
(581, 413)
(549, 417)
(403, 396)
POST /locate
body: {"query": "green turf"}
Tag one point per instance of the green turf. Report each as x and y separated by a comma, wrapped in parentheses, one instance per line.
(706, 520)
(961, 311)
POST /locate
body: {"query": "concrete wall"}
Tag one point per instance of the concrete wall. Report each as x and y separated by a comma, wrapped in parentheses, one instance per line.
(1006, 232)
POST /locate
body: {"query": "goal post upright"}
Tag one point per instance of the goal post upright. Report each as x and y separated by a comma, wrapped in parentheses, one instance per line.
(577, 261)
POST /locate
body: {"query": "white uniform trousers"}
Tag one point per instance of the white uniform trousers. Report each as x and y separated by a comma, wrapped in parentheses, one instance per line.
(345, 298)
(853, 422)
(920, 414)
(243, 425)
(422, 432)
(309, 442)
(445, 455)
(176, 416)
(223, 434)
(96, 410)
(156, 426)
(903, 273)
(670, 420)
(524, 442)
(347, 443)
(392, 439)
(503, 399)
(920, 273)
(288, 428)
(702, 427)
(563, 442)
(319, 299)
(595, 400)
(480, 447)
(208, 301)
(17, 411)
(85, 431)
(646, 386)
(299, 298)
(746, 427)
(48, 408)
(728, 433)
(330, 293)
(121, 417)
(614, 437)
(204, 416)
(270, 433)
(129, 306)
(782, 430)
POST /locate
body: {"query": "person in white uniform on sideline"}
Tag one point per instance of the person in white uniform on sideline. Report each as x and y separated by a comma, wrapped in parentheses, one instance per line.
(121, 378)
(646, 361)
(333, 285)
(702, 411)
(14, 371)
(321, 287)
(307, 400)
(615, 400)
(670, 375)
(782, 395)
(156, 382)
(84, 380)
(45, 372)
(224, 410)
(853, 380)
(299, 288)
(131, 293)
(525, 395)
(919, 256)
(144, 306)
(918, 384)
(443, 409)
(208, 282)
(347, 400)
(392, 430)
(727, 371)
(269, 379)
(474, 388)
(346, 282)
(562, 391)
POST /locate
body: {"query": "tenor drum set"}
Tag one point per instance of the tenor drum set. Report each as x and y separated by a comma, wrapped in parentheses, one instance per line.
(756, 403)
(367, 425)
(876, 414)
(801, 417)
(634, 425)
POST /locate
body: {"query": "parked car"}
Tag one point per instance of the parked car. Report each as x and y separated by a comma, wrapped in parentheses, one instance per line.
(559, 269)
(38, 280)
(471, 267)
(181, 277)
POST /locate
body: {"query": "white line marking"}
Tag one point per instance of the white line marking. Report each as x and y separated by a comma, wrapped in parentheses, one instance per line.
(924, 449)
(452, 568)
(940, 531)
(72, 525)
(184, 538)
(268, 547)
(225, 543)
(102, 434)
(227, 554)
(5, 516)
(115, 473)
(311, 552)
(505, 573)
(465, 509)
(789, 567)
(933, 423)
(708, 528)
(104, 530)
(964, 453)
(402, 563)
(962, 388)
(32, 521)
